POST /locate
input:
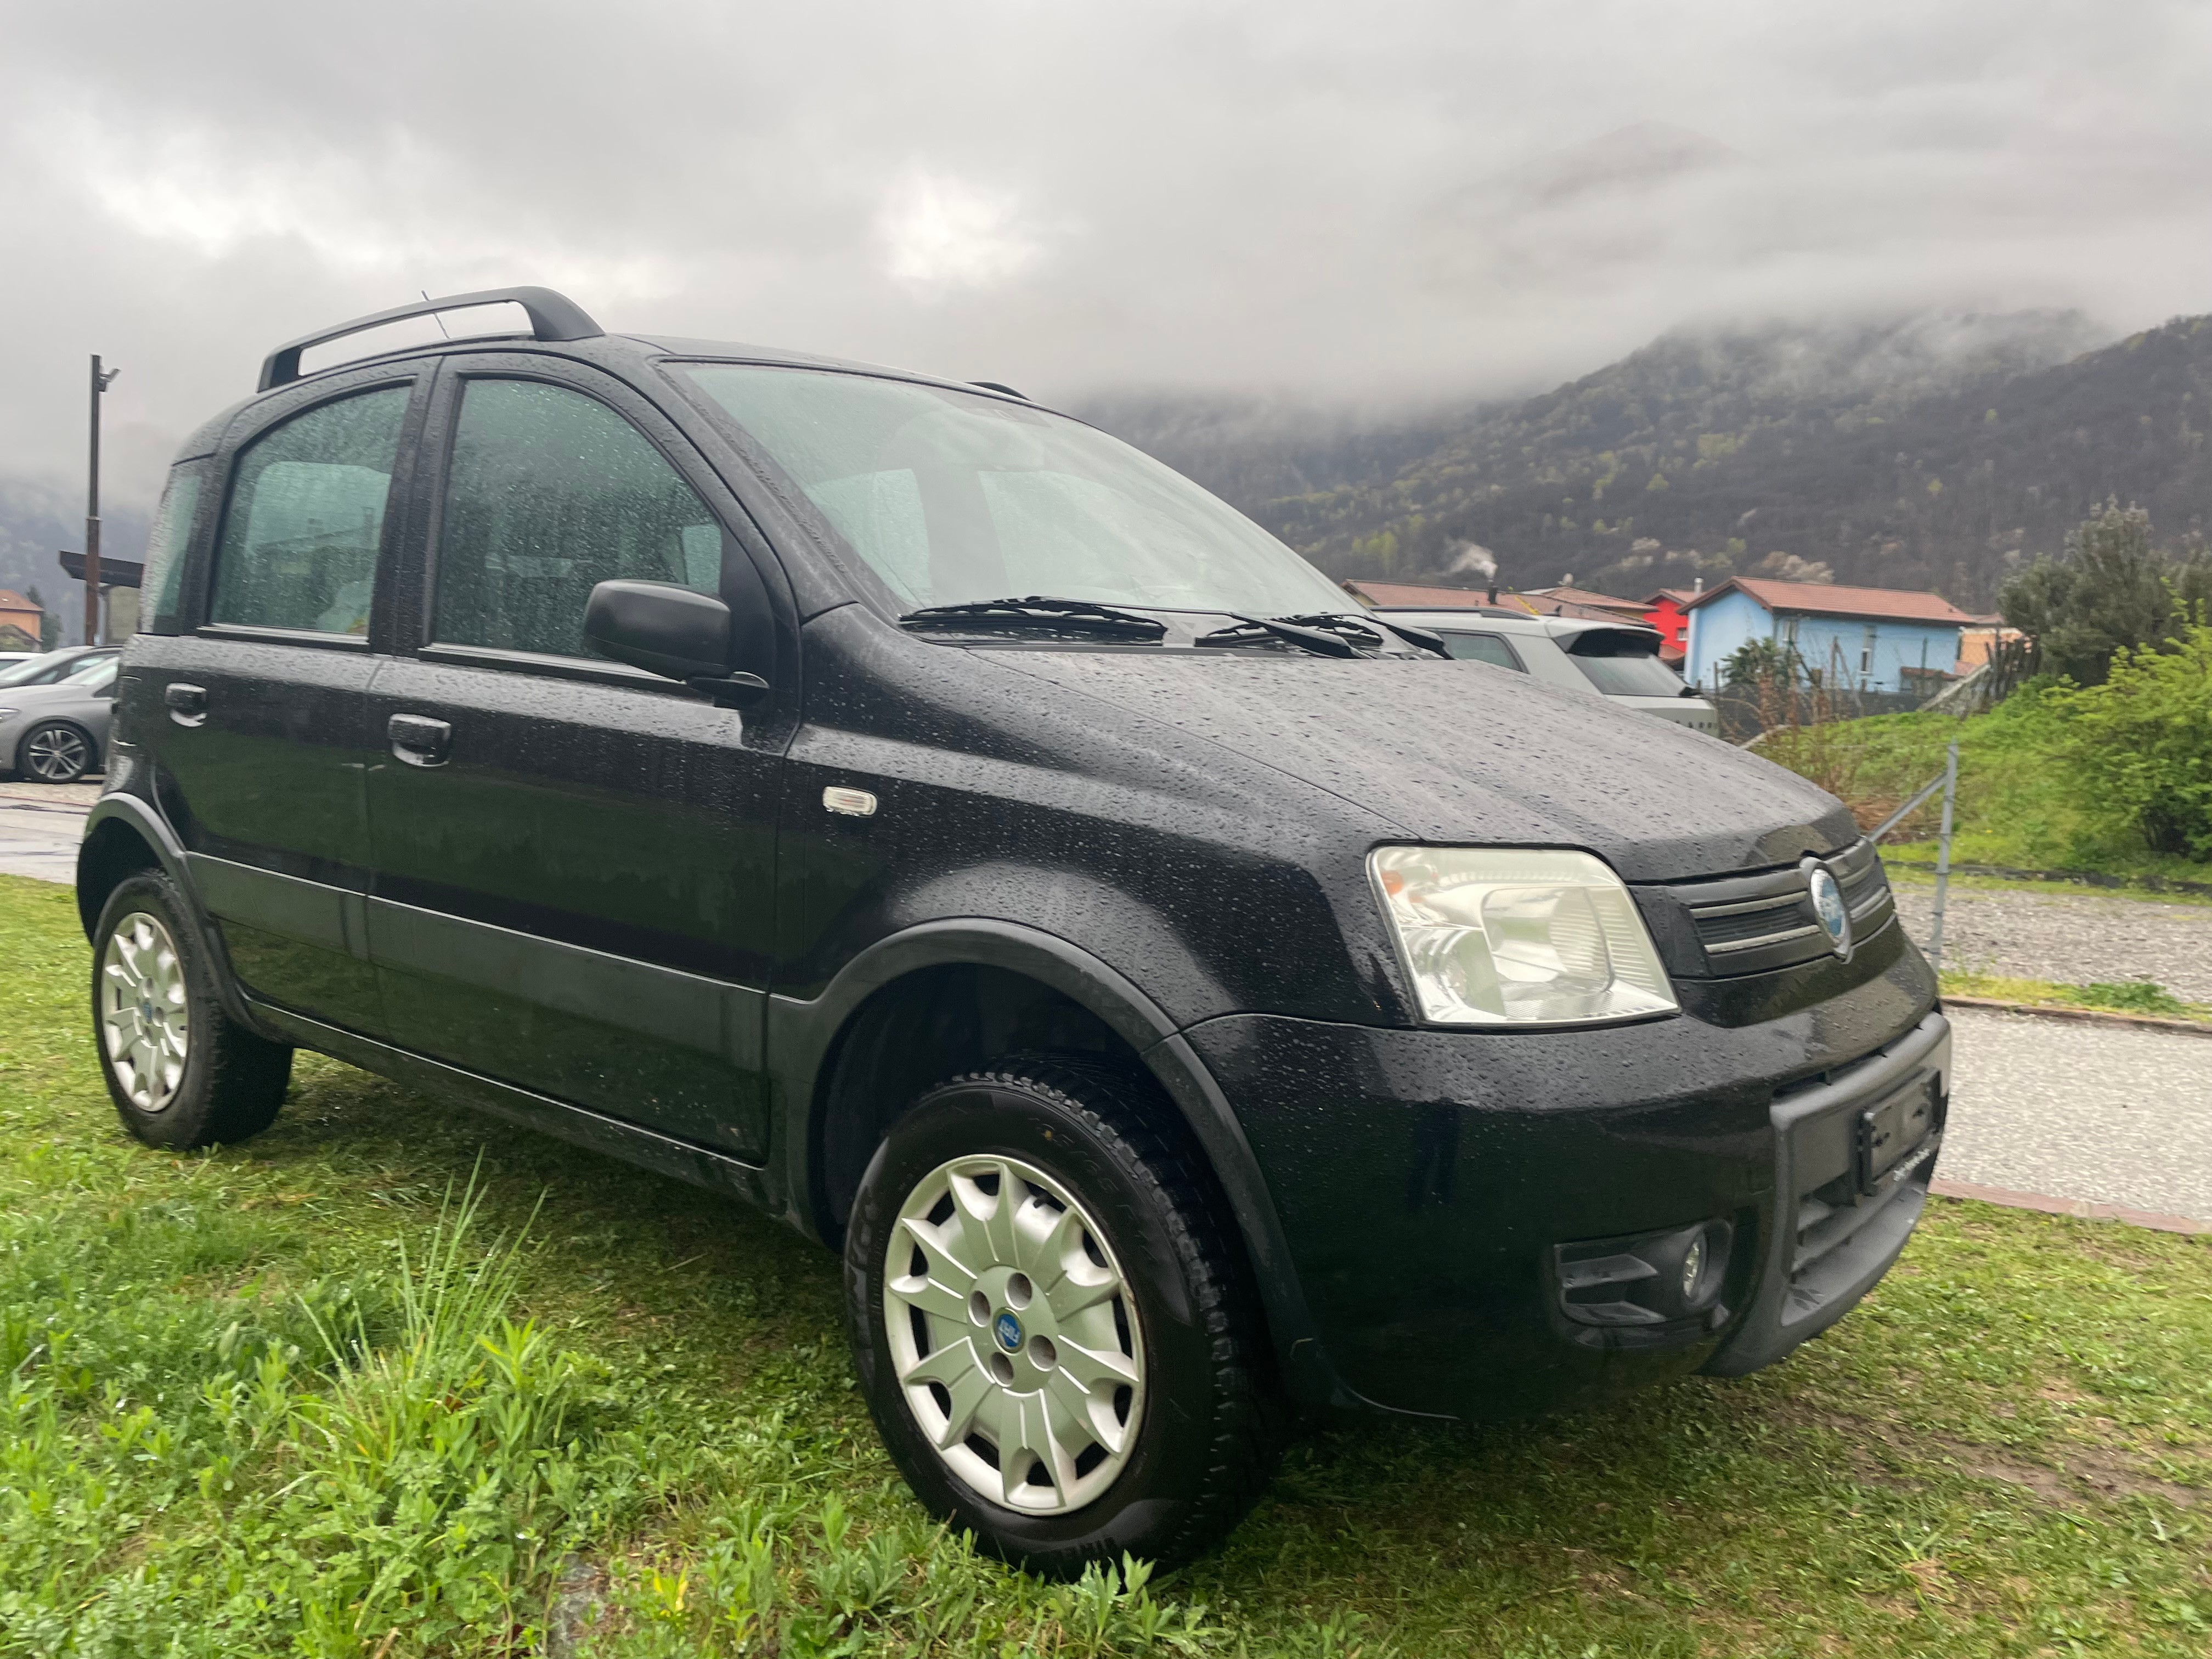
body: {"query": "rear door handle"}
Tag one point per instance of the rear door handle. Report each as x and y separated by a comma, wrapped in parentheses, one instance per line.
(419, 740)
(187, 703)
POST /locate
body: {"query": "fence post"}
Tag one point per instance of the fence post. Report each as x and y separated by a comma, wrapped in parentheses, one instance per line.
(1944, 857)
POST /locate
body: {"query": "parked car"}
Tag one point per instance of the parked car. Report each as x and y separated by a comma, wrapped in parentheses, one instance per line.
(45, 667)
(57, 731)
(913, 811)
(10, 658)
(1619, 660)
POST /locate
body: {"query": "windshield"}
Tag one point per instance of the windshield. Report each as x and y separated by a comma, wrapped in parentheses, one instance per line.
(950, 498)
(1623, 664)
(45, 671)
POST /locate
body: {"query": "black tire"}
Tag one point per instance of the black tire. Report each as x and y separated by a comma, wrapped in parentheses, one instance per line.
(232, 1080)
(1205, 1445)
(55, 751)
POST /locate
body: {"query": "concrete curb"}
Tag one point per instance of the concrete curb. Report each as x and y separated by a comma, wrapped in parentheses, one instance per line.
(2080, 1207)
(2087, 1015)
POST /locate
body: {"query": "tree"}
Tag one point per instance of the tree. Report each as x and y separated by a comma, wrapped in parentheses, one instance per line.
(2115, 590)
(49, 625)
(1757, 662)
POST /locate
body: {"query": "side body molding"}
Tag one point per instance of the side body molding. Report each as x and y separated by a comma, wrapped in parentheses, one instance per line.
(802, 1038)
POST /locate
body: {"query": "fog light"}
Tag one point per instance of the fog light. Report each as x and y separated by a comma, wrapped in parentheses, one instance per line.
(1647, 1287)
(1693, 1268)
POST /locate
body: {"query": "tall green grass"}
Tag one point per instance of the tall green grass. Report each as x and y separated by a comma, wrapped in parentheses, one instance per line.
(2022, 803)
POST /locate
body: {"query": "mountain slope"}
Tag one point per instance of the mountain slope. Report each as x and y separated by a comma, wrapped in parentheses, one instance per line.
(1937, 451)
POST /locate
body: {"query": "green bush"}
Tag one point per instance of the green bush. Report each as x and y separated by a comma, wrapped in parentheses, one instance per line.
(2139, 747)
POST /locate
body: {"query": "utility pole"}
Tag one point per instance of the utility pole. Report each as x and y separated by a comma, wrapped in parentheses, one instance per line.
(100, 383)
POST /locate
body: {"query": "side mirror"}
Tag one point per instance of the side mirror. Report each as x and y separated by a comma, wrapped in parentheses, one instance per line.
(670, 631)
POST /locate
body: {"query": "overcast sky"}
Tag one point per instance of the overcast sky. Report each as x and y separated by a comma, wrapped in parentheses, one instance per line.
(1373, 201)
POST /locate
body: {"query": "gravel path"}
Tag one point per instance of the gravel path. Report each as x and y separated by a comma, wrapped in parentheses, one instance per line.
(2104, 1112)
(2075, 939)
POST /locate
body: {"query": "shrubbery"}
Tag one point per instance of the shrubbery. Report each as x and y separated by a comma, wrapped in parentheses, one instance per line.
(2115, 777)
(2139, 746)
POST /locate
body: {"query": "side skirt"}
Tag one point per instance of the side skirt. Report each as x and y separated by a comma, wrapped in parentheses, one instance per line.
(649, 1149)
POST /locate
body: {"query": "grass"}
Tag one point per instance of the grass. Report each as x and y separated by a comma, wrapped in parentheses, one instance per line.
(2126, 996)
(2015, 809)
(391, 1382)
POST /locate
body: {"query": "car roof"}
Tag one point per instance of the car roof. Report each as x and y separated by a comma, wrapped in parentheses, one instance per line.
(558, 327)
(1500, 620)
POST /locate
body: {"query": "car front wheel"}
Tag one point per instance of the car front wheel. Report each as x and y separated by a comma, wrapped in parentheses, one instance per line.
(1053, 1332)
(55, 753)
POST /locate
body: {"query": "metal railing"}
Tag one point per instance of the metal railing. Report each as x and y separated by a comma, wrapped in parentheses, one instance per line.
(1947, 781)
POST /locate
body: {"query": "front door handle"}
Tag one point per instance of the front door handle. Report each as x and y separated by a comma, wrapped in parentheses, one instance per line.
(419, 740)
(187, 703)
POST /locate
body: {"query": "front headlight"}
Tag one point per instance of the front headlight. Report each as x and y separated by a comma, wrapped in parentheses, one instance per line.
(1510, 936)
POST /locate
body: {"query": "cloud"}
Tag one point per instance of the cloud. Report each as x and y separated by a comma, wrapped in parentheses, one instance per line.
(1372, 204)
(942, 233)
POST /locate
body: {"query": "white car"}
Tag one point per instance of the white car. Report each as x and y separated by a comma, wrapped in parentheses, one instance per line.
(1611, 660)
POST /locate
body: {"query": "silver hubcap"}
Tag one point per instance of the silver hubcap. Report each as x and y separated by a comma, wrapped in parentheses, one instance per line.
(55, 754)
(1013, 1334)
(143, 1016)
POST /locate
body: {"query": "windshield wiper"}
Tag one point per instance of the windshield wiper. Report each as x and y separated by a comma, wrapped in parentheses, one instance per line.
(1039, 611)
(1251, 630)
(1416, 637)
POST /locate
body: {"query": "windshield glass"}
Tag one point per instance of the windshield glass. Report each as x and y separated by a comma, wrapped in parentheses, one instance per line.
(1623, 664)
(950, 498)
(45, 671)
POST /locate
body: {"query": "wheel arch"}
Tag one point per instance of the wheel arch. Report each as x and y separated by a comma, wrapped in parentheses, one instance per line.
(842, 1062)
(123, 836)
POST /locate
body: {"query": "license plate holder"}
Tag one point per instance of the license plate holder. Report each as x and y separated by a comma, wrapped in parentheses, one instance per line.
(1891, 1127)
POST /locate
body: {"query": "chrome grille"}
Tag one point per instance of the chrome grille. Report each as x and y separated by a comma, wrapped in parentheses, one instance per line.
(1755, 924)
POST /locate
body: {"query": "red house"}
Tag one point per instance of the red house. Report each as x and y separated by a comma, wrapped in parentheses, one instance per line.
(1663, 610)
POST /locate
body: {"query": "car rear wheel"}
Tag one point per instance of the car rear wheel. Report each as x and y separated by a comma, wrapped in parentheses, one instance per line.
(181, 1072)
(1051, 1328)
(57, 752)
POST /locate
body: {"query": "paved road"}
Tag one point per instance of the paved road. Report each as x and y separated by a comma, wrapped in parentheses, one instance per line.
(2106, 1113)
(2075, 938)
(39, 836)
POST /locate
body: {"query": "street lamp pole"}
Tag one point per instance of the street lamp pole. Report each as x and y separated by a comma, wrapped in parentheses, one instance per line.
(99, 384)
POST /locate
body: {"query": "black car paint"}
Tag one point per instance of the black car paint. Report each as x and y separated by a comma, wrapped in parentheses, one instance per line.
(636, 907)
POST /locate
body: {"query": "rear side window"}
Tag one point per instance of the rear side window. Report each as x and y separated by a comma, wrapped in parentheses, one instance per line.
(306, 516)
(1483, 647)
(164, 547)
(551, 492)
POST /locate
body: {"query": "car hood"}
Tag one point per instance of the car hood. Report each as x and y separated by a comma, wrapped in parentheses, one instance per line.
(1464, 752)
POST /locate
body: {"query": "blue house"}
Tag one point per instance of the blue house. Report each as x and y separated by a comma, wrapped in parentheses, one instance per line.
(1878, 639)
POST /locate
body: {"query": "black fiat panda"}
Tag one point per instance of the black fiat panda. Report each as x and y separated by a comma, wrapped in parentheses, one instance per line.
(1185, 1000)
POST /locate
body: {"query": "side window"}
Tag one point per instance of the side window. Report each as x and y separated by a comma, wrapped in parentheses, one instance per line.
(165, 546)
(307, 515)
(550, 493)
(1483, 647)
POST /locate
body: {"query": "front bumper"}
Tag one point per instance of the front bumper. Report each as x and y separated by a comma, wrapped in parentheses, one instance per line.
(1426, 1180)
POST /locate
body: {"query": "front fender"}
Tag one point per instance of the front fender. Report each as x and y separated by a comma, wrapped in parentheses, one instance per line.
(802, 1036)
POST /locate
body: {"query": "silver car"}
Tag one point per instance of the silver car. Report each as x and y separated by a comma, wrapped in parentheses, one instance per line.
(1619, 661)
(55, 734)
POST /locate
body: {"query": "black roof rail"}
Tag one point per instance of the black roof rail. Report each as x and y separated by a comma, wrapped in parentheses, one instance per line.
(552, 317)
